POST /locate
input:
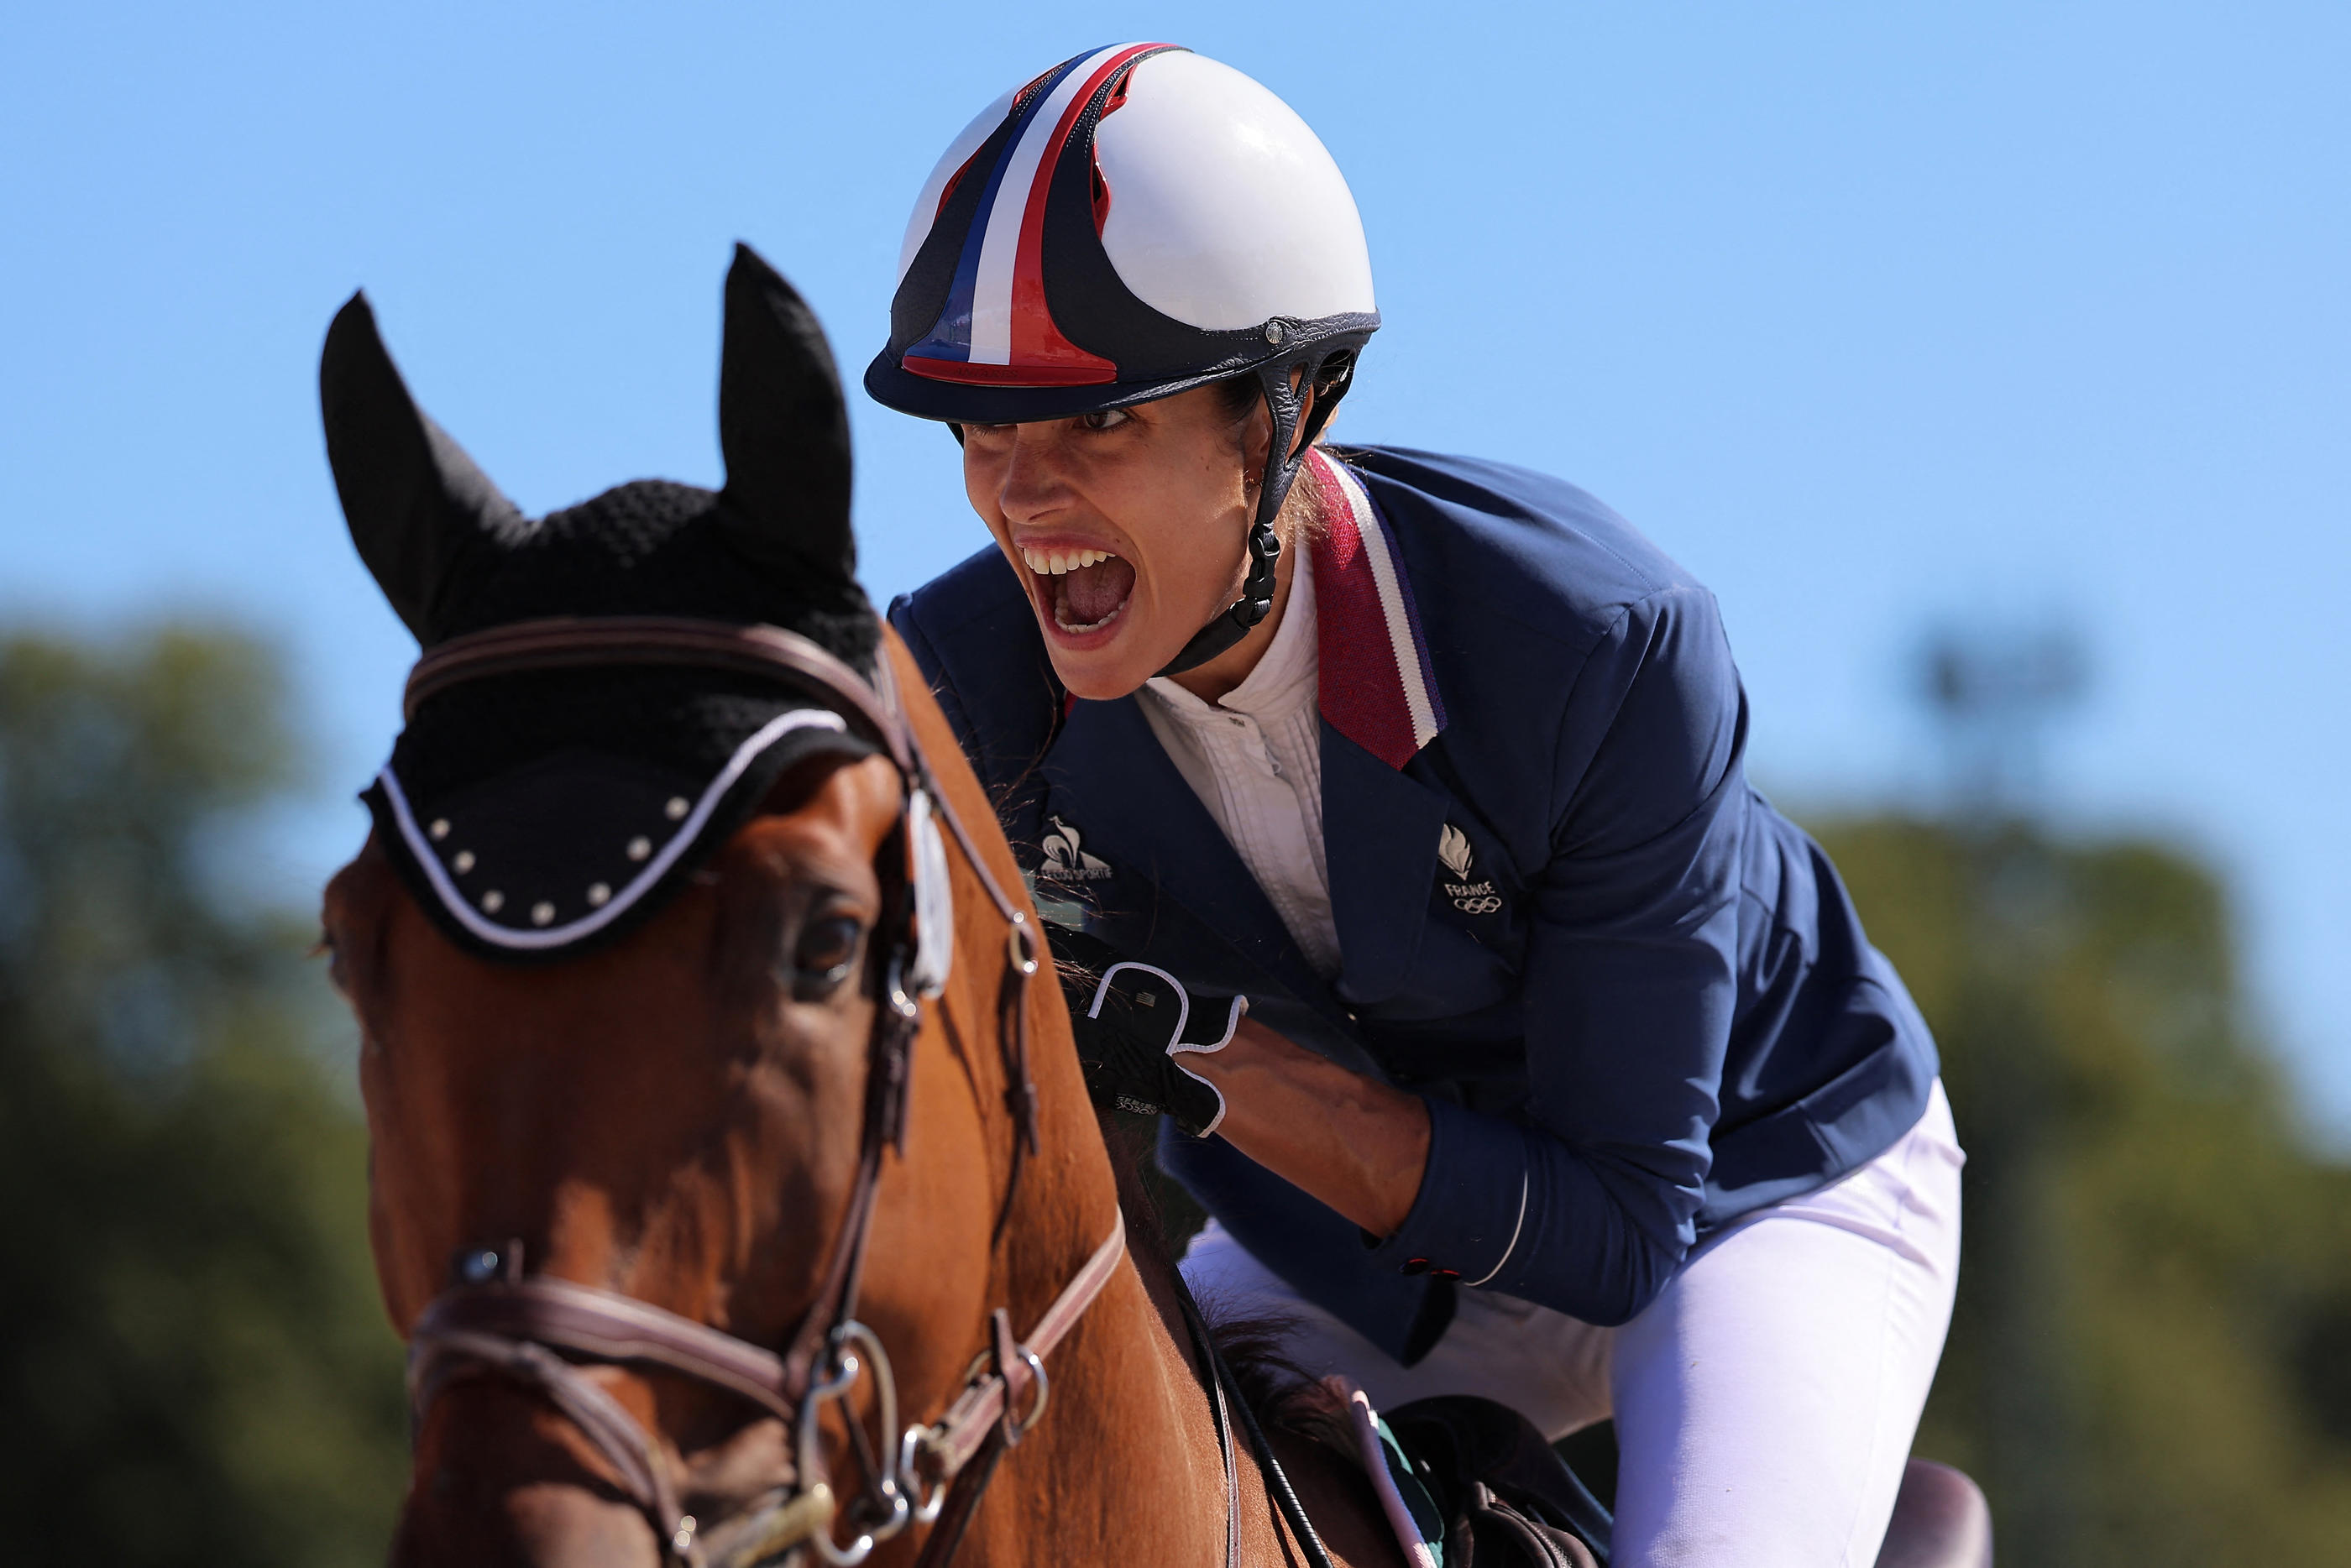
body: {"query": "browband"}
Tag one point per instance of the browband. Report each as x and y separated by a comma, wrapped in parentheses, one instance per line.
(580, 642)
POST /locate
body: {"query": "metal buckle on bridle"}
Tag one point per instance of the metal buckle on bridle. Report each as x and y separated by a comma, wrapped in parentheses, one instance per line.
(1021, 945)
(882, 1492)
(900, 1000)
(1014, 1430)
(921, 1443)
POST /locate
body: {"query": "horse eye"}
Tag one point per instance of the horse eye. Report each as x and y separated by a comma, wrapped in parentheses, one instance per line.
(337, 975)
(826, 952)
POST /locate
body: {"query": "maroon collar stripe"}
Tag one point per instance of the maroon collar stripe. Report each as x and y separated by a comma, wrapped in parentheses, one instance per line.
(1377, 687)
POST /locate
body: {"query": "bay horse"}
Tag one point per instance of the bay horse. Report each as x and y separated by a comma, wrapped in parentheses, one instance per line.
(734, 1182)
(702, 1221)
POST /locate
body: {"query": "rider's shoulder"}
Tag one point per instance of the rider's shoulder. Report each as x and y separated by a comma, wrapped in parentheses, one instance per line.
(969, 596)
(970, 626)
(1522, 552)
(974, 636)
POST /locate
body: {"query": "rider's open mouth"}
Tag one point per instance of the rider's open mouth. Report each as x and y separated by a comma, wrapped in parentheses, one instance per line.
(1086, 589)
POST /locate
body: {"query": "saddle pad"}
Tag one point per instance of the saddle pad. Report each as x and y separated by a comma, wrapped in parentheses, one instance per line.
(1410, 1511)
(1513, 1500)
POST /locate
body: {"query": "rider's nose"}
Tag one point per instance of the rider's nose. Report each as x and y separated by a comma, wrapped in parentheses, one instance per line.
(1034, 481)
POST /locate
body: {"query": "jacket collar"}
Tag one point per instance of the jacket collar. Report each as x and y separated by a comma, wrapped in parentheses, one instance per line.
(1380, 829)
(1139, 816)
(1380, 707)
(1376, 686)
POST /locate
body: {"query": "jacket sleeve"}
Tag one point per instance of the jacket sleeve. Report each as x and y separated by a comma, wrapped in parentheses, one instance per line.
(1629, 989)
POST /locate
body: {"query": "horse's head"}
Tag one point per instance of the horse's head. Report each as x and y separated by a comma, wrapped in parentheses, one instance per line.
(638, 948)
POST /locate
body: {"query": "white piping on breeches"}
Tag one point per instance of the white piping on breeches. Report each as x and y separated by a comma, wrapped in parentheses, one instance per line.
(1764, 1402)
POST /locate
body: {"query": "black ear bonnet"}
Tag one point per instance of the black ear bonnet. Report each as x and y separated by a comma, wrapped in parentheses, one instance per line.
(536, 813)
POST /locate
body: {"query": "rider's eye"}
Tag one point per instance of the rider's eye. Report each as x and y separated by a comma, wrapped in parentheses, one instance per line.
(1103, 418)
(825, 953)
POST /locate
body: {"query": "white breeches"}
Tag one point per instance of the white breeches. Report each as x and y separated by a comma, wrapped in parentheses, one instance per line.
(1764, 1402)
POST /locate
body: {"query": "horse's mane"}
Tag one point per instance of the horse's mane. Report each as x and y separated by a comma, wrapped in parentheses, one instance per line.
(1284, 1393)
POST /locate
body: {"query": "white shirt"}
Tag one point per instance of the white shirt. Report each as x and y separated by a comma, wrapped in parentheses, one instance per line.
(1255, 759)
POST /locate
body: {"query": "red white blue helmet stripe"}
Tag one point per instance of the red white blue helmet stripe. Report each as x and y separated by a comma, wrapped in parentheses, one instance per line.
(1138, 220)
(997, 326)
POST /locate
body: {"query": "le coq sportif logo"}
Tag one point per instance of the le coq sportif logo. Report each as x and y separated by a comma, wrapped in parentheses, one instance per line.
(1066, 859)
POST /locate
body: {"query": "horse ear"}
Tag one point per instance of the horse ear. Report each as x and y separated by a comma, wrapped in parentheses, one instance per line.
(414, 501)
(783, 428)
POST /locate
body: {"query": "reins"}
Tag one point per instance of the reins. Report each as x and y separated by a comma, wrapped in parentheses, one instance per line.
(538, 1332)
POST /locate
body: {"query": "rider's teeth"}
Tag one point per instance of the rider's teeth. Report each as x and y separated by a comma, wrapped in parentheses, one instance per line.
(1061, 563)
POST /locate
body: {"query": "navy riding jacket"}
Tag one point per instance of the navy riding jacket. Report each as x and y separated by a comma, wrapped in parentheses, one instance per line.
(1635, 998)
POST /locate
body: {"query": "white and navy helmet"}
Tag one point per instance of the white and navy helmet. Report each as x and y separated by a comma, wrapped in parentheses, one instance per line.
(1138, 221)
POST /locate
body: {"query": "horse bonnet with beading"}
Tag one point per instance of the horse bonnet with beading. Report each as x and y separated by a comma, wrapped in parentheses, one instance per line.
(535, 814)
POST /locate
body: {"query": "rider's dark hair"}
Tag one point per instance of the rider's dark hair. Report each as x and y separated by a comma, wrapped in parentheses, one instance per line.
(1239, 397)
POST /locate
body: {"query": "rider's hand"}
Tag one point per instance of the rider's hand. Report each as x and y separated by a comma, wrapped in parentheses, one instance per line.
(1135, 1022)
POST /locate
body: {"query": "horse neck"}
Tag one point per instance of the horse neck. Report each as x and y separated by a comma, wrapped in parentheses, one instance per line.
(1125, 1465)
(1126, 1456)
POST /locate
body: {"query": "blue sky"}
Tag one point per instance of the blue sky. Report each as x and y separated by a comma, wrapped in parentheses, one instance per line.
(1876, 317)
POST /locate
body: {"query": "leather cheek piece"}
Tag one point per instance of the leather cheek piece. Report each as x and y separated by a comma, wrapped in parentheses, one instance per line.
(933, 897)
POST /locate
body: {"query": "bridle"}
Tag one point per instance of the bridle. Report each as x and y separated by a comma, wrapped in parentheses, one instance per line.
(537, 1331)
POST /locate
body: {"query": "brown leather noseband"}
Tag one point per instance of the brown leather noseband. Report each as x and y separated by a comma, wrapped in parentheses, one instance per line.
(540, 1331)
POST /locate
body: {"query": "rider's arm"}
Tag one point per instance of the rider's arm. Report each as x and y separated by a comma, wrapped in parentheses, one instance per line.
(1353, 1142)
(1629, 987)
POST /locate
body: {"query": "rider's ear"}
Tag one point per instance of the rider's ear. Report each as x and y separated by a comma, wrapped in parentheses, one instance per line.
(783, 428)
(414, 501)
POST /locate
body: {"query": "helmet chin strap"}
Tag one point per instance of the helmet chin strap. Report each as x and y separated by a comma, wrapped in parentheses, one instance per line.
(1256, 591)
(1294, 430)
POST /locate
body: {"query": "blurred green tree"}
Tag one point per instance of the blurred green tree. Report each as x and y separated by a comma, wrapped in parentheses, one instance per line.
(2151, 1360)
(194, 1359)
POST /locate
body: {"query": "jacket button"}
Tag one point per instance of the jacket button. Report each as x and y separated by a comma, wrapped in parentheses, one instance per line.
(1444, 1273)
(1412, 1266)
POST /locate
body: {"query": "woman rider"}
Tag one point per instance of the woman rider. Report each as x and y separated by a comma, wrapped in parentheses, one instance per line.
(1564, 1074)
